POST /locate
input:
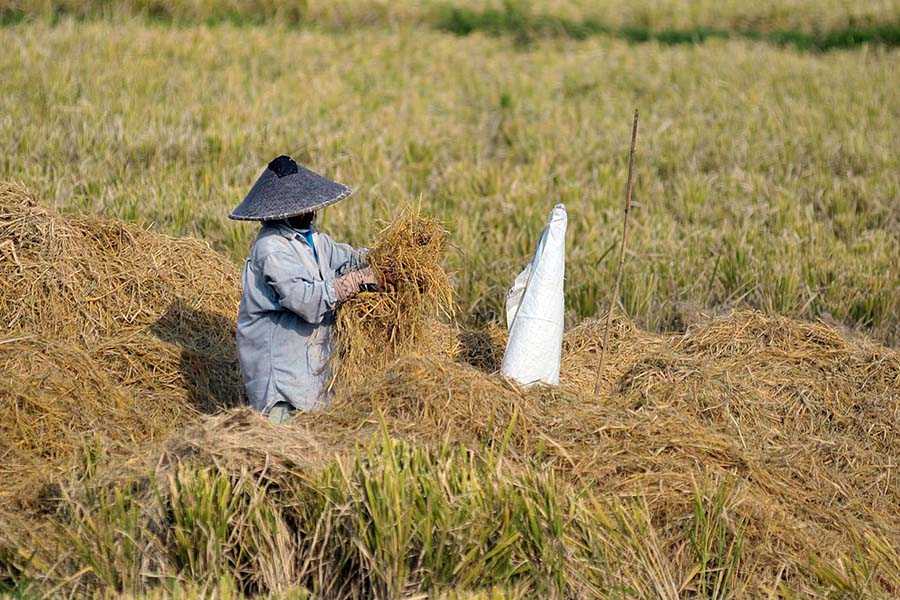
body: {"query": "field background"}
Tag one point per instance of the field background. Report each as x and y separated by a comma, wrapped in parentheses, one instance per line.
(750, 455)
(768, 173)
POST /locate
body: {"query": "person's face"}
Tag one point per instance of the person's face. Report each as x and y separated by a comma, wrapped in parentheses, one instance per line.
(303, 221)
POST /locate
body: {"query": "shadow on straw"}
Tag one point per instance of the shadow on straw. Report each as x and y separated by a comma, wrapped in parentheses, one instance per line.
(209, 364)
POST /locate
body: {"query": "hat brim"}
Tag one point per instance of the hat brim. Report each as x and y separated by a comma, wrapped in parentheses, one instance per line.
(273, 198)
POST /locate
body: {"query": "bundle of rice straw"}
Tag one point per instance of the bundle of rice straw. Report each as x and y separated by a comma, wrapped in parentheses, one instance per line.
(373, 328)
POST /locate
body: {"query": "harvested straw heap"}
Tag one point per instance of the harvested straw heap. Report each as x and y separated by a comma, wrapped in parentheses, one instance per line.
(749, 455)
(108, 332)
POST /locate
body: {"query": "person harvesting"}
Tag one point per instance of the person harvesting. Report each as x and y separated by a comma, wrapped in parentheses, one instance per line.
(293, 280)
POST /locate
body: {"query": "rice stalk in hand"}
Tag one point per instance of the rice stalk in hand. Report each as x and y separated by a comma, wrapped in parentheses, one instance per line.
(375, 327)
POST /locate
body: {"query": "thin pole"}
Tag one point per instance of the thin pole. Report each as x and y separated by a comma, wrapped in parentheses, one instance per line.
(629, 187)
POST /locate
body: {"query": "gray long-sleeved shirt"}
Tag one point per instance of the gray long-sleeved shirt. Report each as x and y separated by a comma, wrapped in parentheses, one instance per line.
(287, 314)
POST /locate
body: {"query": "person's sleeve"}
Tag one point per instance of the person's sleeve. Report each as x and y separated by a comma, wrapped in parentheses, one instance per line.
(297, 290)
(344, 257)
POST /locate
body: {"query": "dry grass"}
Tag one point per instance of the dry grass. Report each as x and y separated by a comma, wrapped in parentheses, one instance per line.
(790, 429)
(109, 331)
(748, 455)
(802, 413)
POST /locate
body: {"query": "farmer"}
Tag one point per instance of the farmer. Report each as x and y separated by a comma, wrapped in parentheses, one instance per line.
(293, 279)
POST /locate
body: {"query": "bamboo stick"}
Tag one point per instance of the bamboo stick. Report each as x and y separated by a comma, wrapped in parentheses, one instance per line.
(629, 187)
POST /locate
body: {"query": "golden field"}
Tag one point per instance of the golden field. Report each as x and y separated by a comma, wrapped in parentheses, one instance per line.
(765, 177)
(745, 437)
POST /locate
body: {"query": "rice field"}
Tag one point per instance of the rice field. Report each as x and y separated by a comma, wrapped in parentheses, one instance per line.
(765, 177)
(744, 444)
(764, 15)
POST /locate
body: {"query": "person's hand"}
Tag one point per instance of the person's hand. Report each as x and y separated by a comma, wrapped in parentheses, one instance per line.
(347, 286)
(371, 281)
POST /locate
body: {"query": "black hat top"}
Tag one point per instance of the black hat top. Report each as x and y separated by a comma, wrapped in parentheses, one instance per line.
(286, 189)
(283, 165)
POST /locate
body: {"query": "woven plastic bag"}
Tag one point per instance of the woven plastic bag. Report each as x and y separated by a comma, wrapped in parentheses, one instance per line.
(535, 307)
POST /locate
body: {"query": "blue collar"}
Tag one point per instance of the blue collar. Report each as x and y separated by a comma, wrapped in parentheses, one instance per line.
(308, 236)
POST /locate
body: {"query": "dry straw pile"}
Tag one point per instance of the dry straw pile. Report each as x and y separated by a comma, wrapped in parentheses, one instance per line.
(804, 422)
(108, 331)
(747, 455)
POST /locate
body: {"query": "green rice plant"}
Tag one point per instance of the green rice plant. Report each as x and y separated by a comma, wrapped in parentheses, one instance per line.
(497, 593)
(105, 532)
(202, 506)
(621, 555)
(398, 519)
(717, 546)
(222, 589)
(871, 569)
(395, 520)
(518, 19)
(410, 518)
(221, 524)
(13, 581)
(804, 23)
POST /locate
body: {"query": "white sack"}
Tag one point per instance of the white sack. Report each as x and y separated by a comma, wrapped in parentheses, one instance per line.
(535, 307)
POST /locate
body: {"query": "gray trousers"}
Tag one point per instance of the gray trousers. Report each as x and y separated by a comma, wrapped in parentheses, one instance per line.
(281, 413)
